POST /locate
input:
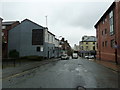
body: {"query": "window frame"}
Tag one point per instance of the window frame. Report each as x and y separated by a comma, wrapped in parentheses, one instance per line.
(37, 37)
(112, 43)
(111, 22)
(106, 43)
(38, 49)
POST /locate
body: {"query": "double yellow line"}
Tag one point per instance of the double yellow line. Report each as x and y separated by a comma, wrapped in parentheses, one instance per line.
(17, 74)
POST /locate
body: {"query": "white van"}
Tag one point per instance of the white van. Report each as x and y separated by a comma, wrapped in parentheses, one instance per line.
(75, 56)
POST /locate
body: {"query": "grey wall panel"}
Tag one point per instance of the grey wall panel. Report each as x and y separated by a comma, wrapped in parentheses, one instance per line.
(20, 38)
(14, 39)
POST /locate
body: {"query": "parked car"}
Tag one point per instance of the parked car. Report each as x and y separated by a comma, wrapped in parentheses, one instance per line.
(86, 57)
(75, 56)
(64, 57)
(90, 57)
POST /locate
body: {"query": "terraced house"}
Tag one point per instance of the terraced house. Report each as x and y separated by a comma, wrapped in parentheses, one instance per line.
(29, 39)
(108, 34)
(87, 46)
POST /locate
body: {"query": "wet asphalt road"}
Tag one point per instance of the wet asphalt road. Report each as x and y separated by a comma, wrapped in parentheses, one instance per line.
(65, 74)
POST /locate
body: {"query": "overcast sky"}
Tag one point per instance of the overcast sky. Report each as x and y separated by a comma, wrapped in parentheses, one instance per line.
(70, 19)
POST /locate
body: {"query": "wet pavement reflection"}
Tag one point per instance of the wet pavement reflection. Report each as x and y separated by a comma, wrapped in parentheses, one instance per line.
(65, 74)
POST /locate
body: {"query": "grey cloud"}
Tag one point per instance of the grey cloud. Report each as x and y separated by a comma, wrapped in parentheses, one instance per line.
(80, 14)
(89, 15)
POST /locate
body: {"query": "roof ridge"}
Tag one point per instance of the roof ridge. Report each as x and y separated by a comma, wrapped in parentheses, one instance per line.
(32, 22)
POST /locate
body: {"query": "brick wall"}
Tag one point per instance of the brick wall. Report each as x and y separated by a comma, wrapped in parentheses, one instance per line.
(118, 29)
(5, 45)
(106, 52)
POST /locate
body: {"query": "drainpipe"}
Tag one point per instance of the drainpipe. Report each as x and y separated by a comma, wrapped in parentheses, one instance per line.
(116, 52)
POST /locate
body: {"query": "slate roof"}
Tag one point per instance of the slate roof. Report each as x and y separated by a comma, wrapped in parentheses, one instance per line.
(32, 22)
(90, 39)
(9, 22)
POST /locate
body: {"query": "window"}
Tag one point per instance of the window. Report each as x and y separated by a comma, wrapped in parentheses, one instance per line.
(86, 47)
(97, 45)
(112, 43)
(53, 39)
(41, 49)
(103, 21)
(111, 23)
(3, 27)
(105, 31)
(102, 32)
(82, 47)
(38, 49)
(93, 47)
(105, 43)
(53, 51)
(37, 37)
(48, 37)
(97, 34)
(2, 34)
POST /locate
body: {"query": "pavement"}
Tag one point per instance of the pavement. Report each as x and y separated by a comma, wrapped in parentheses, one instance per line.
(8, 72)
(110, 65)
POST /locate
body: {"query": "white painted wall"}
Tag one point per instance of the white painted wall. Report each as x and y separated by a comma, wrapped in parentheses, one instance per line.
(46, 35)
(49, 37)
(56, 43)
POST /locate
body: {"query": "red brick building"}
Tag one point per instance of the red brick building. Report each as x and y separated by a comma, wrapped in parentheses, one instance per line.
(6, 26)
(108, 34)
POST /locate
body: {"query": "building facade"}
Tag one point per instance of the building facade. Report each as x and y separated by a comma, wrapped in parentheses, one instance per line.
(0, 38)
(49, 44)
(76, 48)
(6, 26)
(57, 48)
(31, 39)
(65, 47)
(87, 46)
(108, 34)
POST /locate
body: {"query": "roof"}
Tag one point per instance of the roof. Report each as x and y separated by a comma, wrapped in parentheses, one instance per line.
(56, 39)
(32, 22)
(37, 25)
(9, 22)
(51, 33)
(1, 18)
(107, 11)
(90, 39)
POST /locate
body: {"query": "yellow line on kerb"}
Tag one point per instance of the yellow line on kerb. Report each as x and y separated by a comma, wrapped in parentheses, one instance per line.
(17, 74)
